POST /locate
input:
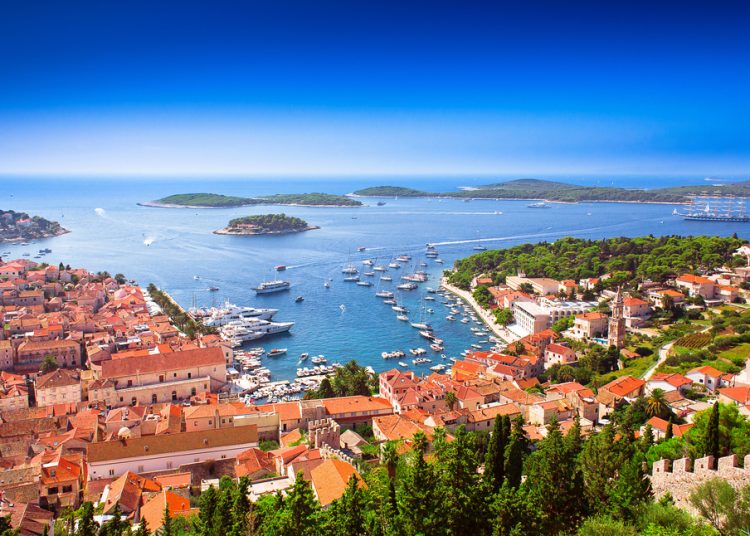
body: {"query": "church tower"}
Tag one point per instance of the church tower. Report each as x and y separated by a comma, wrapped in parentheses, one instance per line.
(617, 322)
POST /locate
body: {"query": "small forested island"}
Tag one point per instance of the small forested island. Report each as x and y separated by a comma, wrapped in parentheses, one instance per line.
(265, 224)
(207, 200)
(536, 189)
(19, 226)
(646, 257)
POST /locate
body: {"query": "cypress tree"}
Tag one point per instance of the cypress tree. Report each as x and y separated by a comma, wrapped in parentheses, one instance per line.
(208, 502)
(86, 524)
(349, 510)
(668, 434)
(494, 462)
(514, 453)
(166, 523)
(647, 439)
(302, 507)
(712, 433)
(417, 501)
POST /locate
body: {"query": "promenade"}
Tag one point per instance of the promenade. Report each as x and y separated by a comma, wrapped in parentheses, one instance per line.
(486, 316)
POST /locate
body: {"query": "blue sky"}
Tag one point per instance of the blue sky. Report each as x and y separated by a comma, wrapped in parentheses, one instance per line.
(374, 87)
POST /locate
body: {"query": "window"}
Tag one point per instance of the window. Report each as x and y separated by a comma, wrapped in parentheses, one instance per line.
(190, 375)
(67, 489)
(140, 468)
(133, 401)
(153, 398)
(174, 375)
(192, 391)
(169, 465)
(52, 490)
(130, 383)
(161, 378)
(111, 472)
(223, 456)
(174, 395)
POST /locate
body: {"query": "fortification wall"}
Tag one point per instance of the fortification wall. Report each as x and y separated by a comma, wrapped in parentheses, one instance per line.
(681, 476)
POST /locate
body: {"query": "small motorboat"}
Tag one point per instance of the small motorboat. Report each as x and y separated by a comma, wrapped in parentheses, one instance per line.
(213, 289)
(279, 268)
(327, 284)
(402, 364)
(303, 356)
(361, 248)
(299, 299)
(276, 352)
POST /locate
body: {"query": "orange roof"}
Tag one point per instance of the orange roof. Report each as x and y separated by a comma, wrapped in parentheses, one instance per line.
(624, 385)
(741, 395)
(591, 316)
(254, 463)
(633, 301)
(396, 427)
(694, 279)
(330, 478)
(175, 480)
(349, 404)
(660, 424)
(295, 436)
(490, 413)
(153, 511)
(707, 370)
(674, 379)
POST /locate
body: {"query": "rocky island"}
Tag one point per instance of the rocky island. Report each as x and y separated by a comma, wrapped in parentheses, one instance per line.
(265, 224)
(538, 190)
(19, 226)
(207, 200)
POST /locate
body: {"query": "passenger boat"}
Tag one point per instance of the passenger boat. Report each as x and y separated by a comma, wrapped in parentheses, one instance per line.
(266, 287)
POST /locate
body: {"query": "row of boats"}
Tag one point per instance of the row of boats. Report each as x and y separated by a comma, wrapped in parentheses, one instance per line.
(237, 324)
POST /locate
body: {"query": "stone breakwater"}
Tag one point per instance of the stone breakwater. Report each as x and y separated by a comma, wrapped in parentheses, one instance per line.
(680, 477)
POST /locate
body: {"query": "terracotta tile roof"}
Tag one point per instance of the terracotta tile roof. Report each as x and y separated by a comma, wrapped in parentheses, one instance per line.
(153, 511)
(254, 463)
(591, 316)
(292, 437)
(694, 279)
(485, 414)
(674, 379)
(395, 427)
(707, 370)
(174, 480)
(741, 395)
(170, 443)
(201, 357)
(629, 302)
(58, 378)
(660, 424)
(127, 491)
(623, 385)
(330, 478)
(349, 404)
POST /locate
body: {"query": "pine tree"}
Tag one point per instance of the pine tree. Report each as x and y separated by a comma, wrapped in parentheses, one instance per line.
(556, 483)
(459, 485)
(86, 524)
(417, 501)
(142, 529)
(348, 512)
(494, 462)
(599, 462)
(631, 489)
(302, 508)
(207, 503)
(166, 523)
(713, 447)
(240, 508)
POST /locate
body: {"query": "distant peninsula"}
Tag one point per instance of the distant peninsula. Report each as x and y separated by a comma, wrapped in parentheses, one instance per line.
(19, 226)
(265, 224)
(206, 200)
(543, 190)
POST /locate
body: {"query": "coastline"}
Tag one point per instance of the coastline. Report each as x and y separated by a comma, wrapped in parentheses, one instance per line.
(31, 239)
(485, 315)
(556, 201)
(228, 232)
(156, 204)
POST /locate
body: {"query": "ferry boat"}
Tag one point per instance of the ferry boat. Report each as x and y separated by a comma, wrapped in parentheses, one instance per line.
(276, 352)
(267, 287)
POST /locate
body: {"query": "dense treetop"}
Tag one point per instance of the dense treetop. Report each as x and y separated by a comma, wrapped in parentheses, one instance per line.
(559, 191)
(271, 223)
(646, 257)
(222, 201)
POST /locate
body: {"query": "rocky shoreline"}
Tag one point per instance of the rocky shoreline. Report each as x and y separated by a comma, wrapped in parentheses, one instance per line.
(246, 232)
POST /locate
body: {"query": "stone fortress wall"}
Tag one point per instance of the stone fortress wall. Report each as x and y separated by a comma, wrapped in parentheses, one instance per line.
(681, 476)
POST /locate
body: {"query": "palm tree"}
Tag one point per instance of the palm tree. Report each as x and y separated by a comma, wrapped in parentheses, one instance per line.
(389, 458)
(451, 400)
(656, 405)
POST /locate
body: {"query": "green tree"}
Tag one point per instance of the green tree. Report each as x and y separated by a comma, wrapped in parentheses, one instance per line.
(515, 452)
(86, 524)
(556, 483)
(712, 436)
(389, 458)
(166, 523)
(656, 404)
(724, 507)
(503, 316)
(302, 509)
(417, 503)
(494, 461)
(348, 513)
(451, 399)
(670, 430)
(458, 486)
(49, 363)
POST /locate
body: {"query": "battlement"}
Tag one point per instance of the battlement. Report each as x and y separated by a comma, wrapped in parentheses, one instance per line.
(324, 432)
(679, 477)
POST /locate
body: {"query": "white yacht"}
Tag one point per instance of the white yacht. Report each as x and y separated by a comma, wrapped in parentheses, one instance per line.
(266, 287)
(384, 294)
(247, 329)
(349, 269)
(218, 316)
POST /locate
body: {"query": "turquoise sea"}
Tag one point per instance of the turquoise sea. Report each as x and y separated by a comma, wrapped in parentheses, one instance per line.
(168, 247)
